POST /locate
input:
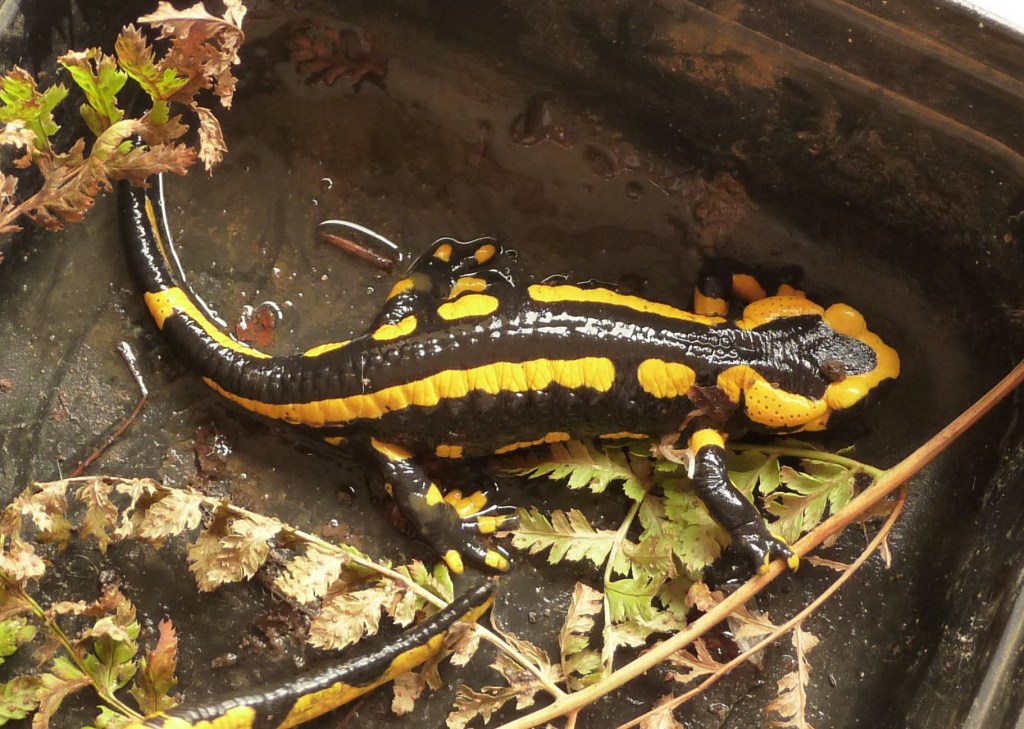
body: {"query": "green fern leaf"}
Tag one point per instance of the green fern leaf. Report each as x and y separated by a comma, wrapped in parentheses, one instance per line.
(569, 536)
(587, 467)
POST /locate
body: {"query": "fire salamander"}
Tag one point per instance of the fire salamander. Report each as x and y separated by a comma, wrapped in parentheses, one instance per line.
(462, 362)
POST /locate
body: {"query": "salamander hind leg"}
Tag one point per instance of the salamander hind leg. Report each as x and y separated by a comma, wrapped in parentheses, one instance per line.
(451, 524)
(725, 281)
(750, 535)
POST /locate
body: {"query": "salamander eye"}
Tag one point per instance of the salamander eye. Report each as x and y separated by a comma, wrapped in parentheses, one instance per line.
(833, 370)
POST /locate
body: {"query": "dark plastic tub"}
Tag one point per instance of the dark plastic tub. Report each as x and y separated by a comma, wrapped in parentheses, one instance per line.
(877, 144)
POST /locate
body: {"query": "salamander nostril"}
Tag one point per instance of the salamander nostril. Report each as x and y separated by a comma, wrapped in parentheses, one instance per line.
(833, 370)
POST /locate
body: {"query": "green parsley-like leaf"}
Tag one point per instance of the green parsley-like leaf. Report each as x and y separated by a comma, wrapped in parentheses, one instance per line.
(111, 663)
(14, 632)
(750, 470)
(696, 539)
(630, 599)
(807, 495)
(98, 76)
(137, 59)
(18, 698)
(21, 99)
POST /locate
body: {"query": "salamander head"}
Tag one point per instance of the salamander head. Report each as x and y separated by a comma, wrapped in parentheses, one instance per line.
(854, 360)
(829, 361)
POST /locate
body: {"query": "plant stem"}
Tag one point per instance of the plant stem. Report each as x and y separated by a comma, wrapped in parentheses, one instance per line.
(809, 454)
(620, 536)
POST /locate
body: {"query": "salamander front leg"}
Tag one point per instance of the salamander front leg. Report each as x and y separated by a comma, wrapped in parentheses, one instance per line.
(730, 508)
(453, 525)
(446, 269)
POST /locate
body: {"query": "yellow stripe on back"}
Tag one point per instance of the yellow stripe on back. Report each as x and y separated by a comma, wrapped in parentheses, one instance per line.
(597, 373)
(163, 304)
(325, 348)
(574, 294)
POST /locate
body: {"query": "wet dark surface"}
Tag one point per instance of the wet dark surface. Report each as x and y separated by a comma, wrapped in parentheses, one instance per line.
(621, 145)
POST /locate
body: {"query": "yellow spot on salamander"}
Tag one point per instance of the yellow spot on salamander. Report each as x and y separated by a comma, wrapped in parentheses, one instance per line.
(709, 305)
(549, 438)
(706, 437)
(168, 302)
(496, 561)
(324, 348)
(665, 379)
(485, 253)
(597, 373)
(787, 290)
(453, 497)
(467, 283)
(445, 450)
(387, 332)
(747, 287)
(335, 440)
(401, 287)
(574, 294)
(469, 305)
(434, 495)
(488, 524)
(769, 405)
(444, 252)
(469, 505)
(390, 451)
(454, 561)
(622, 435)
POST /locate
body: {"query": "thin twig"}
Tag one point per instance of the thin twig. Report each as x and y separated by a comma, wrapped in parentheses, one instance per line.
(892, 480)
(133, 367)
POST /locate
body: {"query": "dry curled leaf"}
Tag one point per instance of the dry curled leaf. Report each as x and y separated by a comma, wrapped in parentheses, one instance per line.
(310, 575)
(19, 561)
(171, 513)
(791, 703)
(662, 717)
(346, 618)
(156, 677)
(231, 549)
